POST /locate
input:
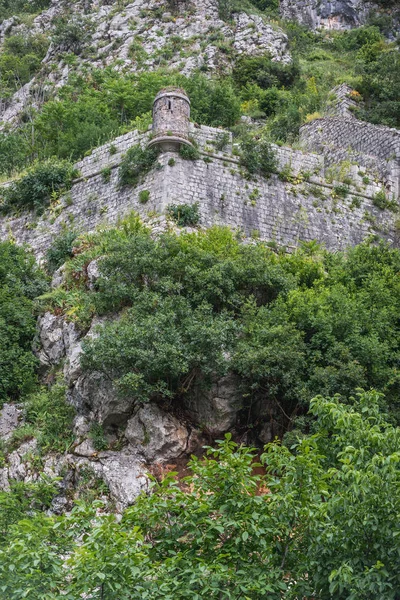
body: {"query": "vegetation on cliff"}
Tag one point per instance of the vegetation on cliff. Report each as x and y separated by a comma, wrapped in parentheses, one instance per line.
(304, 334)
(291, 326)
(98, 104)
(319, 521)
(321, 518)
(20, 282)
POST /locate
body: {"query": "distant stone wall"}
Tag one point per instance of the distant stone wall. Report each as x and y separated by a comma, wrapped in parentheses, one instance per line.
(304, 208)
(110, 154)
(271, 209)
(377, 148)
(344, 104)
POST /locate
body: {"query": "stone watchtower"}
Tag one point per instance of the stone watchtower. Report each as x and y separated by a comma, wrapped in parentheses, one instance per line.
(171, 120)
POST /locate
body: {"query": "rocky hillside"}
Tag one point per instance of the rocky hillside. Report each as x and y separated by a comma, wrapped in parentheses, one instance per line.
(339, 14)
(74, 75)
(137, 37)
(164, 289)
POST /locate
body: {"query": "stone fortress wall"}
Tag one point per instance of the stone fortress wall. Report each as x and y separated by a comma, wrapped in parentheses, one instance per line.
(341, 137)
(304, 206)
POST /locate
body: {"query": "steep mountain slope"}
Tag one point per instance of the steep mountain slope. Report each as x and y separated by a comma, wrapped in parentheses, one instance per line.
(339, 14)
(182, 295)
(141, 36)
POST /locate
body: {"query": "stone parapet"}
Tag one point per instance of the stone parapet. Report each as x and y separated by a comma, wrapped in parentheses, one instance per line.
(267, 209)
(374, 147)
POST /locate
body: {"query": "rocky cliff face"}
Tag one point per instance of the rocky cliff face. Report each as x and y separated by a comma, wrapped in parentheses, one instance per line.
(143, 437)
(329, 14)
(181, 36)
(140, 36)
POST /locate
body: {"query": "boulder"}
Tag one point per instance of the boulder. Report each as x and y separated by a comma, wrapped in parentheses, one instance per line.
(125, 476)
(215, 409)
(86, 448)
(55, 337)
(4, 483)
(18, 467)
(156, 435)
(95, 395)
(93, 273)
(9, 420)
(58, 277)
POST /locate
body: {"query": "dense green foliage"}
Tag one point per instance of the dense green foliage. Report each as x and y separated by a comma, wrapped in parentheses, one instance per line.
(60, 250)
(185, 215)
(290, 325)
(15, 7)
(48, 418)
(34, 190)
(320, 521)
(136, 163)
(20, 60)
(189, 152)
(381, 88)
(20, 283)
(258, 156)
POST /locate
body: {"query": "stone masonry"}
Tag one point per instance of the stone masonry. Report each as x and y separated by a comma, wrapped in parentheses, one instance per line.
(302, 203)
(376, 148)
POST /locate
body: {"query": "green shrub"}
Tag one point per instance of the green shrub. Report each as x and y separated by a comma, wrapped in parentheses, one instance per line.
(381, 201)
(35, 189)
(341, 191)
(357, 38)
(258, 156)
(98, 437)
(265, 72)
(21, 59)
(72, 34)
(222, 141)
(106, 174)
(20, 282)
(270, 5)
(22, 501)
(225, 9)
(214, 102)
(380, 87)
(148, 365)
(51, 417)
(9, 8)
(144, 196)
(136, 163)
(189, 152)
(60, 250)
(13, 151)
(185, 215)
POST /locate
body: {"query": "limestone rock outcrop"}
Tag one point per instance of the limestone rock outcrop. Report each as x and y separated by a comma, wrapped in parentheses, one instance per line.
(10, 416)
(138, 37)
(55, 337)
(215, 409)
(328, 14)
(156, 434)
